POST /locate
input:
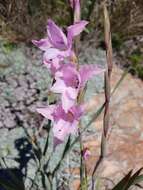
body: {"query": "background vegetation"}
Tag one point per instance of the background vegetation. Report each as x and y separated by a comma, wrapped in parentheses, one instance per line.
(24, 20)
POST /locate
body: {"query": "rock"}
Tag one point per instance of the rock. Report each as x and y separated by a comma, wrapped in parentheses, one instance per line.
(125, 133)
(9, 121)
(21, 84)
(1, 124)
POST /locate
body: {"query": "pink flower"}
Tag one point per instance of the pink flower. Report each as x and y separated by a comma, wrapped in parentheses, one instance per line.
(53, 65)
(86, 153)
(69, 81)
(63, 123)
(57, 45)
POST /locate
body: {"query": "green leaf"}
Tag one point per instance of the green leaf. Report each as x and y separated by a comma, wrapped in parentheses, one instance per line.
(133, 178)
(138, 179)
(84, 184)
(123, 183)
(120, 80)
(86, 30)
(47, 139)
(129, 180)
(66, 150)
(45, 181)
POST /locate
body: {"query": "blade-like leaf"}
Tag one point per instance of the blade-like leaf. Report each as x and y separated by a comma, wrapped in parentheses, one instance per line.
(45, 181)
(120, 80)
(47, 140)
(123, 183)
(138, 179)
(66, 149)
(129, 180)
(133, 178)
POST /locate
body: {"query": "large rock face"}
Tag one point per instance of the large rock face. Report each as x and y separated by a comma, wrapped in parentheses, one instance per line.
(125, 138)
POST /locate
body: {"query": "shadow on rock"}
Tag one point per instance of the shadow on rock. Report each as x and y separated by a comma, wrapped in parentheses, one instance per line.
(12, 178)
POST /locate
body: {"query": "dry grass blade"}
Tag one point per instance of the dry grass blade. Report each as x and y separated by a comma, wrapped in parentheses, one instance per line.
(107, 78)
(108, 44)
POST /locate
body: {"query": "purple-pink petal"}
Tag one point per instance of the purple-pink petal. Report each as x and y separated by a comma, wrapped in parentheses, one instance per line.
(53, 65)
(64, 123)
(51, 53)
(56, 36)
(47, 111)
(42, 44)
(61, 129)
(67, 83)
(70, 76)
(67, 101)
(75, 30)
(88, 71)
(59, 86)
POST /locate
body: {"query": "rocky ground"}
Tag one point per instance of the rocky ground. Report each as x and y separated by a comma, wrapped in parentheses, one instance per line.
(24, 83)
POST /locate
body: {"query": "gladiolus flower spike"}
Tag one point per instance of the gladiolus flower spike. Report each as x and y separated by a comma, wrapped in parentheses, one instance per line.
(60, 59)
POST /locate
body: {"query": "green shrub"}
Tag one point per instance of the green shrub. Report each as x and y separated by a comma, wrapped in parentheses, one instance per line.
(137, 64)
